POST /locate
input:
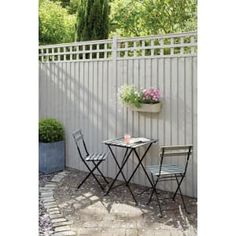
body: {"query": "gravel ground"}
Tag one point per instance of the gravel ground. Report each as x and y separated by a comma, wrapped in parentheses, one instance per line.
(92, 213)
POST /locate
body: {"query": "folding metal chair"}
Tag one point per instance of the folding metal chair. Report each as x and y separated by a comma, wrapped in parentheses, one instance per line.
(169, 172)
(95, 158)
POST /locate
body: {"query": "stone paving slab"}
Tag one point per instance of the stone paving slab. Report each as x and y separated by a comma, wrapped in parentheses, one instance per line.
(50, 206)
(50, 199)
(65, 233)
(62, 228)
(58, 220)
(55, 216)
(62, 223)
(53, 209)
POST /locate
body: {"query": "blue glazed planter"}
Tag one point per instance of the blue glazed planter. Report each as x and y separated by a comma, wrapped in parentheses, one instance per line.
(51, 157)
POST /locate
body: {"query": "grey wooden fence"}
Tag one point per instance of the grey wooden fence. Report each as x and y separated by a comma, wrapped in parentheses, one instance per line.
(78, 84)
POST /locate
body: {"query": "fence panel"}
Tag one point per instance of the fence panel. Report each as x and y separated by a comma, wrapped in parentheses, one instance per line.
(78, 84)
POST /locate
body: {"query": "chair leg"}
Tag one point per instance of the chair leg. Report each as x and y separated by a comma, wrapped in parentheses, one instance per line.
(91, 173)
(159, 203)
(156, 193)
(181, 195)
(153, 187)
(101, 173)
(84, 180)
(179, 183)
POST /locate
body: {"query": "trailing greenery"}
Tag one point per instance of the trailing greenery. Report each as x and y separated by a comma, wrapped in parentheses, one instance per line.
(92, 20)
(130, 95)
(50, 130)
(56, 25)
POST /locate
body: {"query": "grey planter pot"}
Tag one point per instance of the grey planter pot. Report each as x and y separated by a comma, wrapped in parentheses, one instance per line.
(51, 157)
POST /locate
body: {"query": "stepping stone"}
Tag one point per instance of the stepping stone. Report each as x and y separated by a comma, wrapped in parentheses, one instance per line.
(51, 199)
(62, 223)
(58, 220)
(49, 206)
(55, 216)
(62, 228)
(63, 205)
(46, 189)
(50, 185)
(53, 209)
(71, 201)
(50, 203)
(54, 212)
(80, 198)
(94, 198)
(47, 193)
(57, 178)
(63, 173)
(65, 233)
(47, 197)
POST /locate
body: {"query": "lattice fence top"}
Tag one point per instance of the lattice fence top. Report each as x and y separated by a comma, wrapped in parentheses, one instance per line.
(170, 45)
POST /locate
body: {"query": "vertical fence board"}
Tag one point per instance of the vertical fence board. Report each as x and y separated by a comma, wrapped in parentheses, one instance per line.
(135, 124)
(189, 120)
(194, 157)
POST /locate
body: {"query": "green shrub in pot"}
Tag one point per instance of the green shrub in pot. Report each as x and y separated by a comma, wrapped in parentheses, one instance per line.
(51, 146)
(50, 130)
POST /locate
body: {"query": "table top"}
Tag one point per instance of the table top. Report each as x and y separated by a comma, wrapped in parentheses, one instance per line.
(135, 142)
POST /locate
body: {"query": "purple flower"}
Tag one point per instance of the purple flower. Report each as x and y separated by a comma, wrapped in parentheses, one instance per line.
(151, 95)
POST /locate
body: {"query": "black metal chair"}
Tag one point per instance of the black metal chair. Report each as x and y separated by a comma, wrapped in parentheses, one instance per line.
(95, 158)
(170, 172)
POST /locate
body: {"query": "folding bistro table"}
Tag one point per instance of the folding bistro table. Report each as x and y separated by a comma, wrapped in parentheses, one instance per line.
(130, 148)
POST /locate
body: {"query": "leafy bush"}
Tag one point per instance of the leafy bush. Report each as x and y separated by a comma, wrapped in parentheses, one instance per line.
(56, 25)
(50, 130)
(151, 17)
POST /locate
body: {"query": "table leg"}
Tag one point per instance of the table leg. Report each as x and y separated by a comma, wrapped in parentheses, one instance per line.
(140, 163)
(114, 157)
(120, 171)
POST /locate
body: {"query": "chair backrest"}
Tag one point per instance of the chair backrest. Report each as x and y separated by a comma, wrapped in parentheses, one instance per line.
(184, 151)
(79, 140)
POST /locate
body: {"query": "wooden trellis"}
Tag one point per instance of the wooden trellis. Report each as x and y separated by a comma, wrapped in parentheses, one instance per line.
(182, 44)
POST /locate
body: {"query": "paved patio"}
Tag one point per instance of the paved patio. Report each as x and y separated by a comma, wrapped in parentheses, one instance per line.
(65, 211)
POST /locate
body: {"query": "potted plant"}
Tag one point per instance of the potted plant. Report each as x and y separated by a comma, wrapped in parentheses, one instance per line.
(51, 146)
(145, 100)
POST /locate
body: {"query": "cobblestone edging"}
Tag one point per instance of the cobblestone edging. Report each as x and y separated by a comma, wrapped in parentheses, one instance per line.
(61, 226)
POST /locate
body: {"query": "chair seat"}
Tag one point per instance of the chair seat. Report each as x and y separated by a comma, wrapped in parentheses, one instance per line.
(166, 169)
(96, 157)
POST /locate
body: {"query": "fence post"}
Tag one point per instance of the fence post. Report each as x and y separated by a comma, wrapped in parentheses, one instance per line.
(114, 80)
(113, 95)
(114, 77)
(114, 47)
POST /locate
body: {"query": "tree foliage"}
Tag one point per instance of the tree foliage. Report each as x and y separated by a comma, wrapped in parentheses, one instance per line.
(92, 20)
(69, 20)
(56, 25)
(146, 17)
